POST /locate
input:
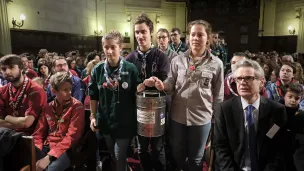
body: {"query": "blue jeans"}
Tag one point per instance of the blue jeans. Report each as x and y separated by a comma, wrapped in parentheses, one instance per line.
(118, 148)
(189, 142)
(60, 164)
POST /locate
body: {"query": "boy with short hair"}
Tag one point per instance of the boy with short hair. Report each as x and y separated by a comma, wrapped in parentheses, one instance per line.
(292, 98)
(60, 127)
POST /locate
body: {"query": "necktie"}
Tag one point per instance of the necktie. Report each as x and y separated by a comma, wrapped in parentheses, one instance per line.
(252, 138)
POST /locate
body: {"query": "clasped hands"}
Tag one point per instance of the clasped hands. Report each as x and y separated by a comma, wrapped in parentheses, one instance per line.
(151, 82)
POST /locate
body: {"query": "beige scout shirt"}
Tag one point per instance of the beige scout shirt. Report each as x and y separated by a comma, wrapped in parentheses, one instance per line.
(193, 99)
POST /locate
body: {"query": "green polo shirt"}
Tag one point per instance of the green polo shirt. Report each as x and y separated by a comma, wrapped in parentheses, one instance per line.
(116, 113)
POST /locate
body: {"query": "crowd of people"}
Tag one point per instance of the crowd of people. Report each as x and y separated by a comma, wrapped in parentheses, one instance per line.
(250, 109)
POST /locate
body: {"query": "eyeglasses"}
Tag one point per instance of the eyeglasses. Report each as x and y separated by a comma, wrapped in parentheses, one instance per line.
(61, 65)
(247, 79)
(161, 37)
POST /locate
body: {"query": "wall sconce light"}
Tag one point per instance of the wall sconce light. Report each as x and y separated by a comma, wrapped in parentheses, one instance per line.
(129, 18)
(157, 18)
(19, 24)
(291, 30)
(98, 32)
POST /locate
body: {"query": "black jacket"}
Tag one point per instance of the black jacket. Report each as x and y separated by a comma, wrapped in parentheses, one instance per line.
(229, 135)
(8, 139)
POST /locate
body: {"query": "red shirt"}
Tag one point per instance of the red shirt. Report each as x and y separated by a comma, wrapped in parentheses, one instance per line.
(73, 72)
(33, 102)
(60, 134)
(31, 74)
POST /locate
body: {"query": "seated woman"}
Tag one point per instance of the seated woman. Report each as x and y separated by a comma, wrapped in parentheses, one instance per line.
(60, 127)
(44, 72)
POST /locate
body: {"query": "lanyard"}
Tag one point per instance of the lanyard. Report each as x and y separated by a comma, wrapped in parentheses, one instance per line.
(115, 74)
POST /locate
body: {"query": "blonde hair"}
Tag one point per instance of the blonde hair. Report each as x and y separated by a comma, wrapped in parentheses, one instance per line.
(39, 81)
(91, 65)
(60, 77)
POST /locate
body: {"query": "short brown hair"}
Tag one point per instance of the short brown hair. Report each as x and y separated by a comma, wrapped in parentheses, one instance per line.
(295, 88)
(176, 29)
(292, 65)
(113, 35)
(11, 60)
(207, 26)
(163, 30)
(143, 18)
(56, 58)
(60, 77)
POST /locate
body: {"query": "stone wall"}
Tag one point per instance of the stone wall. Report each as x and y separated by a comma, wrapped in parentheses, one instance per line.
(79, 16)
(279, 14)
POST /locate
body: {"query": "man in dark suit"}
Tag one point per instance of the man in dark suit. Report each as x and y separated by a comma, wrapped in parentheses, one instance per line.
(248, 134)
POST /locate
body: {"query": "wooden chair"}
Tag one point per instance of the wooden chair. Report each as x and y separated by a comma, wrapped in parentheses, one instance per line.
(22, 157)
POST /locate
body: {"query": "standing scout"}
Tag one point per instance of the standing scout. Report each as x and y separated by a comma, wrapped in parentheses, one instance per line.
(60, 127)
(150, 62)
(177, 45)
(113, 87)
(163, 43)
(22, 100)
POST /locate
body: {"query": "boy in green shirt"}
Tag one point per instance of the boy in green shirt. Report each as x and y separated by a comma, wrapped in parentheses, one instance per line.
(113, 87)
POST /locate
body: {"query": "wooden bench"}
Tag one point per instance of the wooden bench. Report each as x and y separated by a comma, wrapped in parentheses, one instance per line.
(22, 157)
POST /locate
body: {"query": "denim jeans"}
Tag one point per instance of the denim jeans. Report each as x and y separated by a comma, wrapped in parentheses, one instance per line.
(189, 142)
(60, 164)
(99, 137)
(157, 159)
(118, 148)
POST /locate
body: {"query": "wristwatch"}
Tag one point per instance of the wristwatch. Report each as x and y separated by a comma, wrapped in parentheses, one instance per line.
(52, 158)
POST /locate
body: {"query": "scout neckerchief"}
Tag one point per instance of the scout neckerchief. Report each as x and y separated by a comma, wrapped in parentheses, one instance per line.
(144, 63)
(192, 66)
(58, 116)
(114, 78)
(15, 98)
(178, 47)
(46, 82)
(229, 85)
(281, 89)
(166, 51)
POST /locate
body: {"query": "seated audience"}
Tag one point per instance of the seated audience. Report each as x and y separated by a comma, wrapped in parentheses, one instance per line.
(60, 127)
(79, 88)
(22, 100)
(28, 72)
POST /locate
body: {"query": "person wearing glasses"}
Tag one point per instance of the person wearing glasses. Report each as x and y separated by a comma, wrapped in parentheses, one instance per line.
(163, 43)
(150, 61)
(78, 91)
(247, 134)
(196, 81)
(177, 45)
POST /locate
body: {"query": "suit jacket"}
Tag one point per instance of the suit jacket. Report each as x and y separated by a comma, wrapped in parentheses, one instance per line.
(230, 134)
